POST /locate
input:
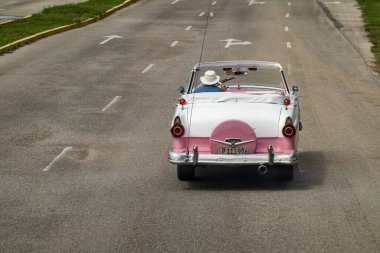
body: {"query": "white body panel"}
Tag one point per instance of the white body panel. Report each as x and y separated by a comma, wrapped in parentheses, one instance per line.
(265, 113)
(263, 118)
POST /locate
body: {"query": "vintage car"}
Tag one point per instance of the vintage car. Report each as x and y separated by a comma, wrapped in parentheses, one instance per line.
(254, 120)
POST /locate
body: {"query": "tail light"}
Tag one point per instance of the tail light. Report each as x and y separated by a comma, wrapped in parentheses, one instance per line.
(286, 101)
(182, 101)
(289, 130)
(177, 129)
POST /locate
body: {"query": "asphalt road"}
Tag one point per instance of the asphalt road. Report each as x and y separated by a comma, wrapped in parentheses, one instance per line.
(107, 184)
(22, 8)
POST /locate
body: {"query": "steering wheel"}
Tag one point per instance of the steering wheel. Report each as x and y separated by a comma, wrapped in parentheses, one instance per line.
(222, 85)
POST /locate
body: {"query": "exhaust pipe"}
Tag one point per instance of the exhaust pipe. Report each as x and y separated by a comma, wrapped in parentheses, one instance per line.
(262, 169)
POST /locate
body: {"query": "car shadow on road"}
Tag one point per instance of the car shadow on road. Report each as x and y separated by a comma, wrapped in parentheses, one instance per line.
(308, 174)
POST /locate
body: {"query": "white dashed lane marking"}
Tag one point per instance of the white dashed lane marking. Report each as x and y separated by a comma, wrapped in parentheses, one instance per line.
(289, 69)
(287, 15)
(211, 14)
(188, 28)
(114, 101)
(147, 68)
(58, 158)
(203, 13)
(286, 29)
(175, 1)
(288, 45)
(289, 3)
(174, 43)
(213, 3)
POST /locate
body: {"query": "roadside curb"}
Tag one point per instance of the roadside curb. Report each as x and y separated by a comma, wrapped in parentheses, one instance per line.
(19, 43)
(352, 30)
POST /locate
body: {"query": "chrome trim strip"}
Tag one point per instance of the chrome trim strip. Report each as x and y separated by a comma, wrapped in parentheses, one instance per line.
(215, 159)
(231, 144)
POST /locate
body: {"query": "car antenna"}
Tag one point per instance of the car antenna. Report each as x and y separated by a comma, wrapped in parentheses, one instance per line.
(196, 75)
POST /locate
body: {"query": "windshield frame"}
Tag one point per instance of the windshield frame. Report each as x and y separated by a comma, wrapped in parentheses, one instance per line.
(236, 64)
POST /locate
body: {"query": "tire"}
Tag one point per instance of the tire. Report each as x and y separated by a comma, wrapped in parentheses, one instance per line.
(185, 172)
(285, 172)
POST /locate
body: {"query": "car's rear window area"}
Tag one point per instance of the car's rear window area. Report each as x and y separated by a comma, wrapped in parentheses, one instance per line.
(245, 78)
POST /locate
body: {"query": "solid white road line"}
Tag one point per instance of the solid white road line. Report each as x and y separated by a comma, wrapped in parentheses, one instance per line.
(286, 29)
(175, 1)
(288, 45)
(213, 3)
(211, 14)
(287, 15)
(59, 157)
(147, 68)
(174, 43)
(203, 13)
(114, 101)
(289, 3)
(188, 28)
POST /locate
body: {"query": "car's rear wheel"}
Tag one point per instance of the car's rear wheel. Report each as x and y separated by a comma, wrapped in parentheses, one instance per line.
(285, 172)
(185, 172)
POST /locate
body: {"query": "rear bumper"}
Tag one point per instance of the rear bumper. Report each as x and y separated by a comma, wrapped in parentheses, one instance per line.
(215, 159)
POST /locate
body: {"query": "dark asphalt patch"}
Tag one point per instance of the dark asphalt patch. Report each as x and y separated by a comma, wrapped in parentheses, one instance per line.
(337, 24)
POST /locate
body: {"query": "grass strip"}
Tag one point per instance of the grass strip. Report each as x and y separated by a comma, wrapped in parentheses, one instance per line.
(54, 17)
(371, 14)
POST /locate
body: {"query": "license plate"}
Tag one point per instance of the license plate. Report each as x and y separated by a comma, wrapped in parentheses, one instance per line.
(232, 151)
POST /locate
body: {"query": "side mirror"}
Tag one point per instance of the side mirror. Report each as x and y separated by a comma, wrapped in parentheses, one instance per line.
(295, 88)
(181, 90)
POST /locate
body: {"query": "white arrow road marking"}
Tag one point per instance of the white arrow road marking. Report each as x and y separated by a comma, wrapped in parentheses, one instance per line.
(59, 157)
(147, 68)
(188, 28)
(203, 13)
(110, 37)
(288, 45)
(234, 42)
(251, 2)
(114, 101)
(174, 43)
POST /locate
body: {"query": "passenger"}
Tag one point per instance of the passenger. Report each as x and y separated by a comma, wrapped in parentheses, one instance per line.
(210, 83)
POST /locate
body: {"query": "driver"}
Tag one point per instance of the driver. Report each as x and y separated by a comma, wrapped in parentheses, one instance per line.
(210, 82)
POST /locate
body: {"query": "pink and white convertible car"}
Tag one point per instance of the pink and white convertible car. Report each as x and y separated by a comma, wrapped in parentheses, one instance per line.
(254, 121)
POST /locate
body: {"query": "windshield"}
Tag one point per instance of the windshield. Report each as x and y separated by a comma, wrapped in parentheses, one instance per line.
(247, 79)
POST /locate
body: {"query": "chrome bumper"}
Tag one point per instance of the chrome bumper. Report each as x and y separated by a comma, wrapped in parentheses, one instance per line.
(215, 159)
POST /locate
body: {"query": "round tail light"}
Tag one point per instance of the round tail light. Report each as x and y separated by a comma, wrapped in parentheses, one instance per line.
(286, 101)
(182, 101)
(177, 130)
(289, 131)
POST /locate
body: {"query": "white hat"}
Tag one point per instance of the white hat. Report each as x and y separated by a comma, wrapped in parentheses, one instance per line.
(210, 78)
